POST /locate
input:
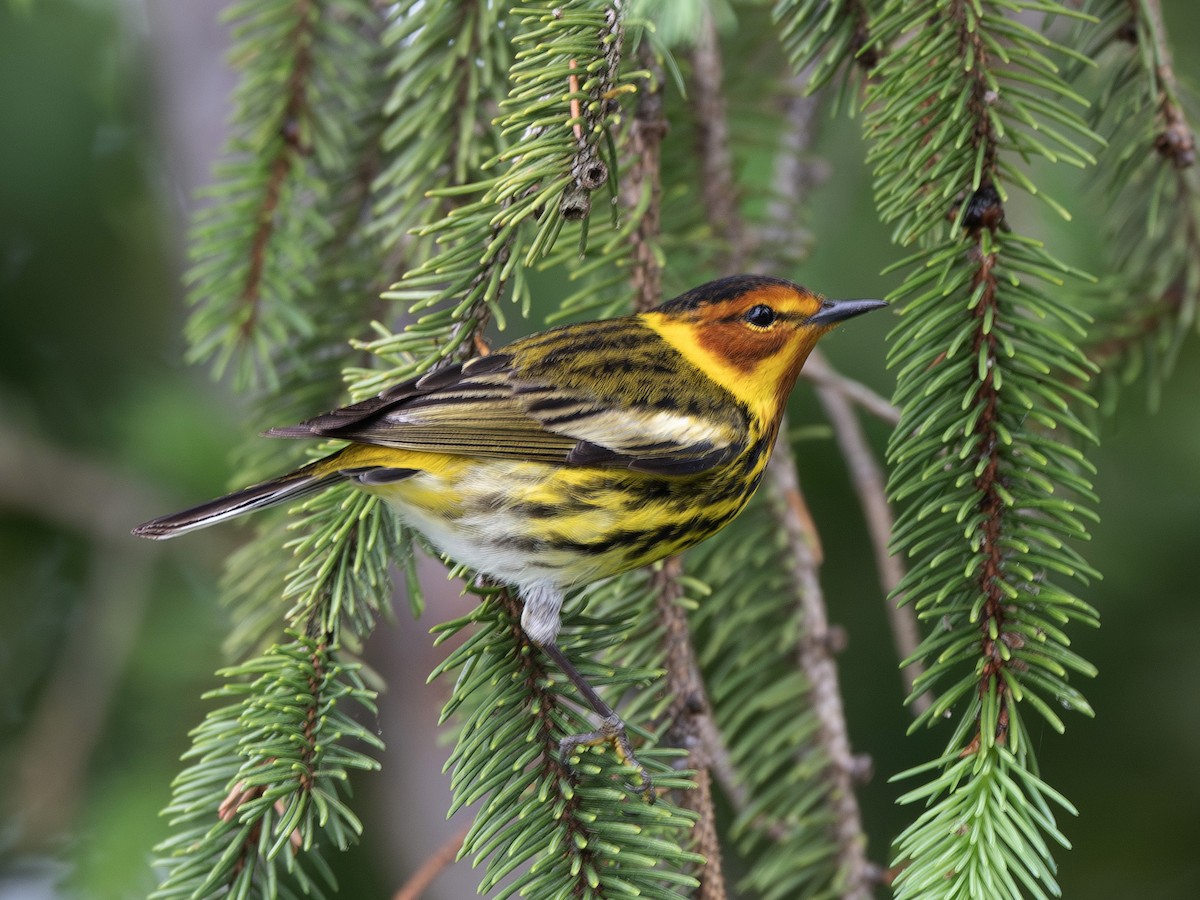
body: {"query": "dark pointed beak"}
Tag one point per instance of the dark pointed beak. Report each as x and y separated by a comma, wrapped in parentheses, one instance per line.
(834, 311)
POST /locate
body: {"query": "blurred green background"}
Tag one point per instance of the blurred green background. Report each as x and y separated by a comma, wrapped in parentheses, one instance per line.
(110, 115)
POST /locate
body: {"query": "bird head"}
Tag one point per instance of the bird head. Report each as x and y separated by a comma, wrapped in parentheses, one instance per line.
(752, 333)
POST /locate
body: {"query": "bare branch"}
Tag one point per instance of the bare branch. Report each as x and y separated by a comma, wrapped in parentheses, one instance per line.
(819, 371)
(794, 176)
(716, 159)
(813, 652)
(689, 716)
(70, 490)
(1176, 142)
(867, 478)
(816, 662)
(690, 723)
(441, 859)
(646, 132)
(65, 727)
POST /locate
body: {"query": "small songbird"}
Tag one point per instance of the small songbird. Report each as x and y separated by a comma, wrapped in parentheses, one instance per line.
(576, 453)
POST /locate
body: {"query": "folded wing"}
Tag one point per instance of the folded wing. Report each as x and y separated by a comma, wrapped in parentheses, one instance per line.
(501, 407)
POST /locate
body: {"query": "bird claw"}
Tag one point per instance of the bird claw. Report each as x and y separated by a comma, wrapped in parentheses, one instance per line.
(611, 731)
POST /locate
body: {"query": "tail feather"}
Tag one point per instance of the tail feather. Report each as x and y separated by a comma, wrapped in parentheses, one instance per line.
(294, 485)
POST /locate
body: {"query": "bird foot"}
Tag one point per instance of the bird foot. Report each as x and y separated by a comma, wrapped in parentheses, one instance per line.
(611, 731)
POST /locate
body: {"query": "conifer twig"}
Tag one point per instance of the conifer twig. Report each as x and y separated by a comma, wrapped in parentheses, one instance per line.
(821, 373)
(443, 857)
(689, 714)
(718, 191)
(815, 658)
(984, 454)
(813, 653)
(1176, 141)
(985, 345)
(532, 668)
(646, 132)
(792, 179)
(690, 723)
(867, 477)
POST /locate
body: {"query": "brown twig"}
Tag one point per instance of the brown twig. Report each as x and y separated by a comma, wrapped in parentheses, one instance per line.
(814, 654)
(576, 109)
(867, 477)
(690, 722)
(241, 794)
(821, 373)
(689, 715)
(717, 187)
(544, 705)
(588, 171)
(815, 660)
(1176, 144)
(72, 491)
(647, 129)
(443, 857)
(793, 178)
(1176, 141)
(989, 453)
(782, 239)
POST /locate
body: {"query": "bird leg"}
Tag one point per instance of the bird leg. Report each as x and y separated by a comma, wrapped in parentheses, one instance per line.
(540, 620)
(611, 731)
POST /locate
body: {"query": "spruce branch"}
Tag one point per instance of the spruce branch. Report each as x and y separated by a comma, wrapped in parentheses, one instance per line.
(1150, 307)
(689, 722)
(269, 775)
(449, 63)
(827, 38)
(994, 493)
(285, 276)
(255, 248)
(544, 829)
(324, 227)
(1176, 141)
(289, 149)
(559, 115)
(980, 458)
(507, 222)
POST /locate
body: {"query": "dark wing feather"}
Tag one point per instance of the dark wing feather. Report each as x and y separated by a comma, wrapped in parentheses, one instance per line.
(505, 405)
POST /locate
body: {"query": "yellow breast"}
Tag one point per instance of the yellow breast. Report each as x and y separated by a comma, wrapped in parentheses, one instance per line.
(526, 523)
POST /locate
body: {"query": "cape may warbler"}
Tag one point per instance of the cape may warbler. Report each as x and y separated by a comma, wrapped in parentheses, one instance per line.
(577, 453)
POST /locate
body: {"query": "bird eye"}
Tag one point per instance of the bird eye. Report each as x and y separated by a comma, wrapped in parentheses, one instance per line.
(760, 316)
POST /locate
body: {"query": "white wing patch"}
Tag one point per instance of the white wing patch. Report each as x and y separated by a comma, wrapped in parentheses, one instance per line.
(634, 430)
